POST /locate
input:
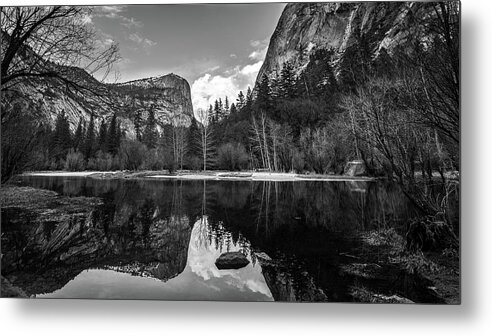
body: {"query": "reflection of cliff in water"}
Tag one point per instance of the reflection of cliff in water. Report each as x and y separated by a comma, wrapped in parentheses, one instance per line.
(144, 226)
(130, 232)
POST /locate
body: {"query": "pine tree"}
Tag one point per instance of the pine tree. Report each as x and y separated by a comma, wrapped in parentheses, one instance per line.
(233, 109)
(210, 115)
(112, 137)
(226, 104)
(103, 137)
(221, 105)
(150, 135)
(287, 81)
(90, 139)
(78, 138)
(120, 134)
(240, 101)
(193, 145)
(263, 99)
(249, 98)
(318, 79)
(62, 138)
(216, 111)
(137, 122)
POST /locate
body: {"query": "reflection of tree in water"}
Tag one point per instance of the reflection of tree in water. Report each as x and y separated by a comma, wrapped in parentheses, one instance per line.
(213, 230)
(308, 224)
(267, 205)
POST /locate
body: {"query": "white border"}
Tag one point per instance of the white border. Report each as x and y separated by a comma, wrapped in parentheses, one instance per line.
(473, 317)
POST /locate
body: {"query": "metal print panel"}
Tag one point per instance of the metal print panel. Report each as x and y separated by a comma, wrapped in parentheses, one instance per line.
(301, 152)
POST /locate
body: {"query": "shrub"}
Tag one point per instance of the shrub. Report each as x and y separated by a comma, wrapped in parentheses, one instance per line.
(232, 156)
(74, 161)
(52, 164)
(102, 161)
(298, 162)
(152, 161)
(167, 158)
(158, 159)
(194, 163)
(132, 154)
(427, 234)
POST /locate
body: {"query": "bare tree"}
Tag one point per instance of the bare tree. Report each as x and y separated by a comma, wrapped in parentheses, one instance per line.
(49, 42)
(256, 138)
(206, 137)
(179, 138)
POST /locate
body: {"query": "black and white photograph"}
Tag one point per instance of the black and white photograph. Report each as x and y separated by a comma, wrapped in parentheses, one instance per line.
(292, 152)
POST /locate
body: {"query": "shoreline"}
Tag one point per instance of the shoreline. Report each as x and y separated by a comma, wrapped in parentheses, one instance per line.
(212, 175)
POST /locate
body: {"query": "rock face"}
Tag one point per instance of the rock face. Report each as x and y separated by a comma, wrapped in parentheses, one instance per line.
(231, 260)
(169, 96)
(306, 27)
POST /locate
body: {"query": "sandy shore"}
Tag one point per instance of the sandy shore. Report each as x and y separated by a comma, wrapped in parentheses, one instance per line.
(65, 173)
(212, 175)
(263, 177)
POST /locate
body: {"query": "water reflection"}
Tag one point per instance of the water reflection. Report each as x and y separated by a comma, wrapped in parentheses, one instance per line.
(154, 239)
(200, 279)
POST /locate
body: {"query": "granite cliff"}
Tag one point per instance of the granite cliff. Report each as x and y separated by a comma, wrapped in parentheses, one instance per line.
(305, 27)
(169, 96)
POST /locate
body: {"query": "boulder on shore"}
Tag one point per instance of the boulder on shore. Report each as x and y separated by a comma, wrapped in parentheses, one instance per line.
(355, 168)
(231, 260)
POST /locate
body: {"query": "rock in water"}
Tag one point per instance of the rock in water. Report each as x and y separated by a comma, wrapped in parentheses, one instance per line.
(231, 260)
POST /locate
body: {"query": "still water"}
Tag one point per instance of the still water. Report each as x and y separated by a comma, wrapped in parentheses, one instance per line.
(159, 239)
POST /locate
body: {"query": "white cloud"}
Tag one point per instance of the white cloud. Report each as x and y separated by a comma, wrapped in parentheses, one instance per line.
(213, 68)
(131, 22)
(111, 12)
(206, 89)
(252, 68)
(114, 12)
(258, 55)
(260, 51)
(144, 42)
(255, 43)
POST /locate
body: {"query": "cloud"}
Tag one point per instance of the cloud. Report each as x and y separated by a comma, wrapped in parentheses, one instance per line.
(260, 51)
(258, 55)
(255, 43)
(213, 68)
(143, 42)
(115, 13)
(108, 11)
(206, 89)
(131, 23)
(252, 69)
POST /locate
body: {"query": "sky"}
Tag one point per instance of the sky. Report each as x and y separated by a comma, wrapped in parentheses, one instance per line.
(217, 48)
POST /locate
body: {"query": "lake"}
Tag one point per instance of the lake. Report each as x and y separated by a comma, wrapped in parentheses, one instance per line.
(159, 239)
